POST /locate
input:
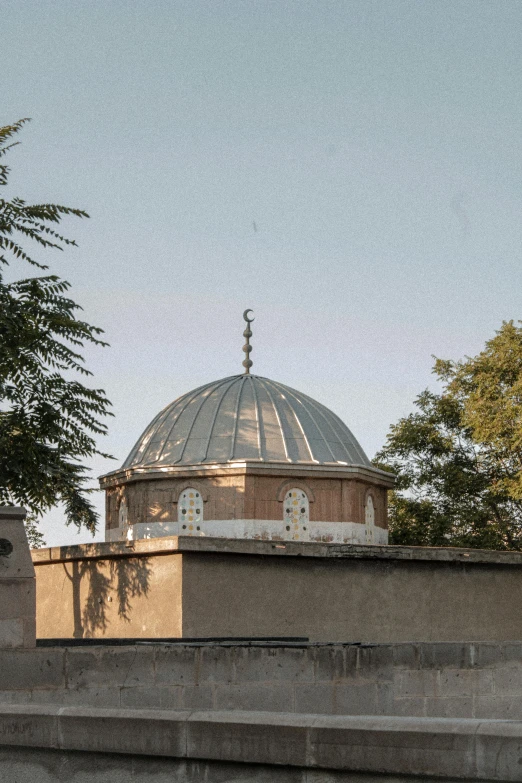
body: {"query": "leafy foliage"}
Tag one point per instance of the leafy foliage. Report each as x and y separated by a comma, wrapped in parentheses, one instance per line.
(48, 419)
(458, 458)
(34, 534)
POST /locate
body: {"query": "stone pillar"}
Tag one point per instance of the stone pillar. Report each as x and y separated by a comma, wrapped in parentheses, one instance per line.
(17, 582)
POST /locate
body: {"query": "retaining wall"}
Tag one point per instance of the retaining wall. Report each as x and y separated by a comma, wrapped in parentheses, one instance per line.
(236, 747)
(461, 680)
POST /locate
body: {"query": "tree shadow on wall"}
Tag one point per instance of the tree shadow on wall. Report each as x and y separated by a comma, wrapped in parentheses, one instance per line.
(121, 579)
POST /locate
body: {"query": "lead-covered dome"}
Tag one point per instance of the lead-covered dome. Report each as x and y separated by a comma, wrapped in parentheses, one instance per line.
(245, 417)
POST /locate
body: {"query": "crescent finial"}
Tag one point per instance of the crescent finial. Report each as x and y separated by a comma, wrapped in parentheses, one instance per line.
(247, 363)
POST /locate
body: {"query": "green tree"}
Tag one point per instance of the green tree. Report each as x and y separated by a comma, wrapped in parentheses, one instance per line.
(458, 458)
(49, 421)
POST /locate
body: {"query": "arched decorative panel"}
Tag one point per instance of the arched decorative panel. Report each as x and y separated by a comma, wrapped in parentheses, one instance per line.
(190, 511)
(296, 510)
(369, 518)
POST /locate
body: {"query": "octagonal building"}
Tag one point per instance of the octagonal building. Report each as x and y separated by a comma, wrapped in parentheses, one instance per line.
(247, 457)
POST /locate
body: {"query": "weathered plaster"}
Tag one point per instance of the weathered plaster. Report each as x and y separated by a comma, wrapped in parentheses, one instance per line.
(201, 586)
(262, 529)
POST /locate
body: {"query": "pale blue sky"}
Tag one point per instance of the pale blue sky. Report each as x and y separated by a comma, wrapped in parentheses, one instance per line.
(376, 146)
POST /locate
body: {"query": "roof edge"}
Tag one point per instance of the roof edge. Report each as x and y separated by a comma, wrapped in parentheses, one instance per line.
(146, 547)
(140, 473)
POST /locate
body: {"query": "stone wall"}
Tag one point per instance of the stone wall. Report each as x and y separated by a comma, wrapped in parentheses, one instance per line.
(481, 681)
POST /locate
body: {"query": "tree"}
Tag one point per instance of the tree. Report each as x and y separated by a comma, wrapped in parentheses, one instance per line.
(48, 419)
(458, 458)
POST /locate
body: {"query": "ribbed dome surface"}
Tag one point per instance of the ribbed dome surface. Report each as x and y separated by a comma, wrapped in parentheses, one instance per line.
(245, 417)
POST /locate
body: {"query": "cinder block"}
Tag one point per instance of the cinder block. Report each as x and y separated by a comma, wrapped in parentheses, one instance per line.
(465, 682)
(197, 697)
(336, 699)
(385, 698)
(262, 664)
(409, 707)
(508, 680)
(512, 652)
(422, 682)
(194, 665)
(276, 697)
(498, 707)
(175, 666)
(171, 698)
(437, 655)
(93, 697)
(484, 654)
(33, 668)
(151, 698)
(140, 698)
(407, 655)
(375, 662)
(450, 707)
(110, 666)
(215, 664)
(314, 698)
(336, 662)
(355, 699)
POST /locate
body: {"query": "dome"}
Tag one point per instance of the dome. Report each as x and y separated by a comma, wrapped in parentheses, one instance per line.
(245, 418)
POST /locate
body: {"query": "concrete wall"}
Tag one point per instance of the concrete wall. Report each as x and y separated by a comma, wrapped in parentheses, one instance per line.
(27, 765)
(17, 581)
(480, 681)
(196, 587)
(300, 749)
(118, 596)
(236, 713)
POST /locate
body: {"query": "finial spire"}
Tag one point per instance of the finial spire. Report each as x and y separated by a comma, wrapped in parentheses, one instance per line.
(247, 364)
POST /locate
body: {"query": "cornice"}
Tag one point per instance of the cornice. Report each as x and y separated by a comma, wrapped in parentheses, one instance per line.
(220, 546)
(252, 468)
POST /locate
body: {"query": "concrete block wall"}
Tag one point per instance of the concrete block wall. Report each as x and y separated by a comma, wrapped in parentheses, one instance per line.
(447, 680)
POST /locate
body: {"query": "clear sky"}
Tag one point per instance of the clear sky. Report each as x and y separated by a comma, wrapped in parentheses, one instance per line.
(350, 170)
